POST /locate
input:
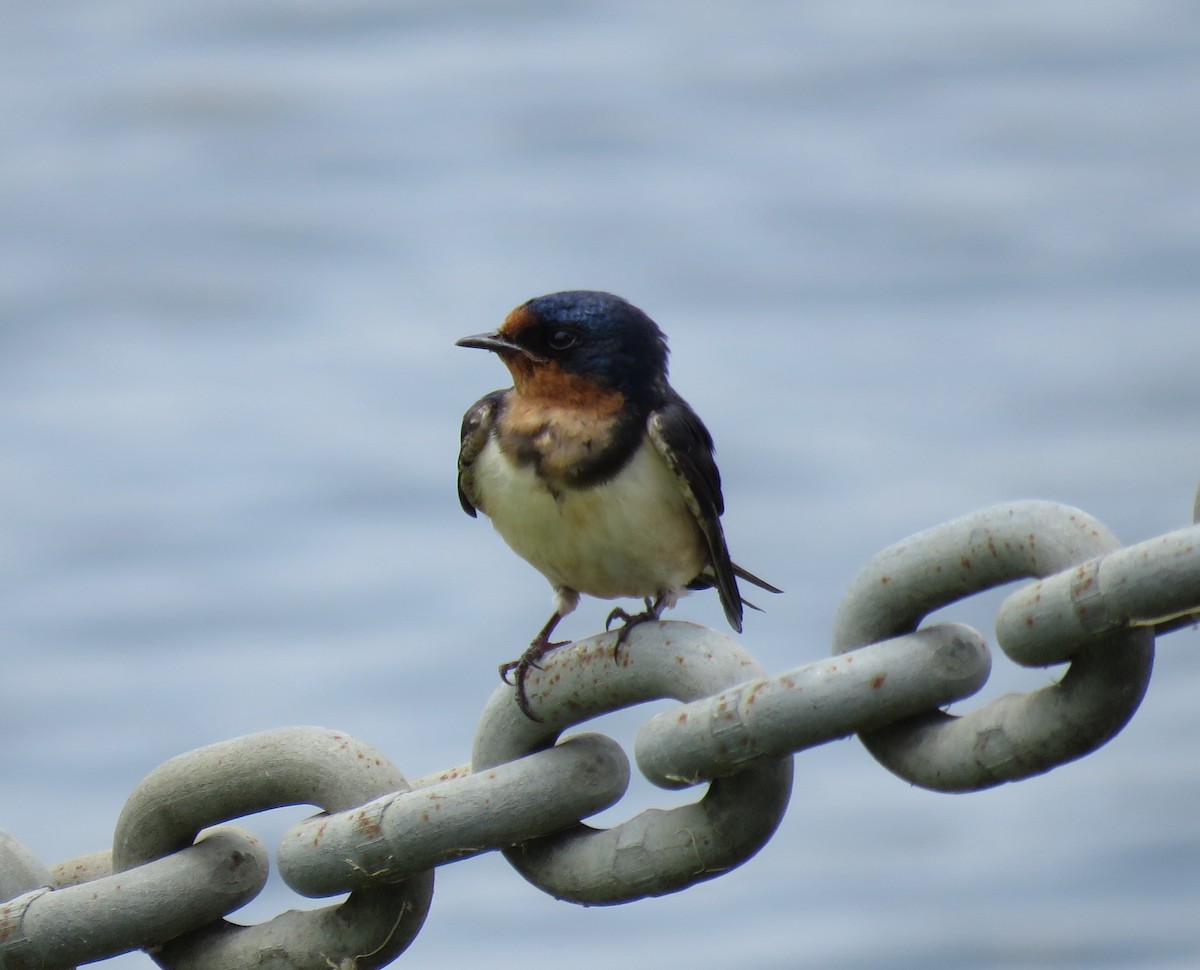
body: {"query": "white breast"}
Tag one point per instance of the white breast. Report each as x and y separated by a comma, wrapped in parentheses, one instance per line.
(630, 537)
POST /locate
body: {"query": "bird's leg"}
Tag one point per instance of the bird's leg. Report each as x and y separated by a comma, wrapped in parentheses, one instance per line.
(538, 647)
(653, 611)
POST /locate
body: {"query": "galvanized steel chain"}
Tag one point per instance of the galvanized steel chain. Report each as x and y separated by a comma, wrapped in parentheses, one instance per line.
(1094, 605)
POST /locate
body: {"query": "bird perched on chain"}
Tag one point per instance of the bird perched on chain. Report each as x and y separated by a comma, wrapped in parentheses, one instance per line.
(593, 468)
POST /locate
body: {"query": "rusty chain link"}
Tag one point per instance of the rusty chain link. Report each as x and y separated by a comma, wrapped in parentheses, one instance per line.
(1093, 605)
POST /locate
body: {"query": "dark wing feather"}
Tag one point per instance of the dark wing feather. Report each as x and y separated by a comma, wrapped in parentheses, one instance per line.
(477, 424)
(684, 442)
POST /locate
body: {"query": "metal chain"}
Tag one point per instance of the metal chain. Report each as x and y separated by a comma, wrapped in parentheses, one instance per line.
(1095, 606)
(1020, 734)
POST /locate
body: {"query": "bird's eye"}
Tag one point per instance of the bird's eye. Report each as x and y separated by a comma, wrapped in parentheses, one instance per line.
(561, 339)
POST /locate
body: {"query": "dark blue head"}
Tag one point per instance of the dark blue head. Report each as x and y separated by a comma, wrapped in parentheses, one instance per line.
(588, 333)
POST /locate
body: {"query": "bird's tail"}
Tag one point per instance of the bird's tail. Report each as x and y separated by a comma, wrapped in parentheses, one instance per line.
(733, 607)
(751, 578)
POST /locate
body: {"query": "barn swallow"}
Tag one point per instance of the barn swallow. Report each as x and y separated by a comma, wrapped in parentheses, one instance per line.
(593, 468)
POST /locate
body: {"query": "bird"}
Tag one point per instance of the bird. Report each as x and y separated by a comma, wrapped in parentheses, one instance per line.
(594, 469)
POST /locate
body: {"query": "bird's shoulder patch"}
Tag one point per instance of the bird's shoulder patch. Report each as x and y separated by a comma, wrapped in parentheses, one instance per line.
(477, 425)
(686, 446)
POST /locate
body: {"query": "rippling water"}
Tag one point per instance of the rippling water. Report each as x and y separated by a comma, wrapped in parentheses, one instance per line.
(914, 260)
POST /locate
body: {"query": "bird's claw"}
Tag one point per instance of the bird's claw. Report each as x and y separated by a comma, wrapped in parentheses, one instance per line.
(508, 668)
(616, 614)
(631, 620)
(519, 669)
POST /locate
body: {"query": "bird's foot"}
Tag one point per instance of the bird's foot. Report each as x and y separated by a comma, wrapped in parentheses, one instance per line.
(519, 669)
(652, 612)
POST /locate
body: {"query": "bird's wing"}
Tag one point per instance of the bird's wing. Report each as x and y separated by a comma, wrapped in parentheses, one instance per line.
(685, 444)
(477, 424)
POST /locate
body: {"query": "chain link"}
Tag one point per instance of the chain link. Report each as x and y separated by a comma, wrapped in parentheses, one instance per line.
(289, 766)
(400, 835)
(819, 702)
(1150, 584)
(656, 852)
(1017, 735)
(1094, 605)
(146, 907)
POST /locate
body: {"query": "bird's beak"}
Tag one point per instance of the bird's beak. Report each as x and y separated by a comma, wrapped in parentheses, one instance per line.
(497, 343)
(487, 341)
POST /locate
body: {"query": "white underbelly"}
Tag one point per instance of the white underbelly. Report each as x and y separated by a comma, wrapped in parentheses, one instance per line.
(632, 536)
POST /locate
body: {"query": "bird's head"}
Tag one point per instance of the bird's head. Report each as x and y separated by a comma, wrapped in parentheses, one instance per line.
(580, 335)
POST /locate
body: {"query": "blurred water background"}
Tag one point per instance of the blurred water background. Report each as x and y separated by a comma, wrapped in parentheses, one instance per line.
(914, 259)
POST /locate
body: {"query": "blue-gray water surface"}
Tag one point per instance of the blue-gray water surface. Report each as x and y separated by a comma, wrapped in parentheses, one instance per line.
(914, 260)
